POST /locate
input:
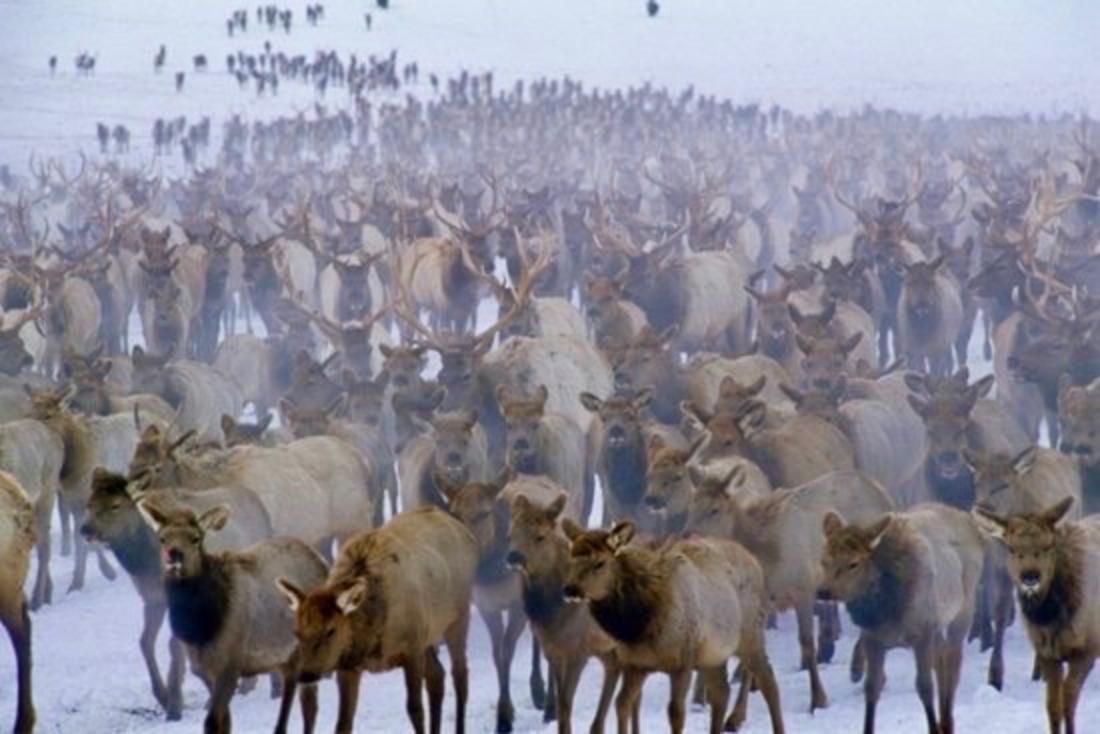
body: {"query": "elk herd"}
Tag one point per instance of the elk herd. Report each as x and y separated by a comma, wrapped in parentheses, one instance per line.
(636, 370)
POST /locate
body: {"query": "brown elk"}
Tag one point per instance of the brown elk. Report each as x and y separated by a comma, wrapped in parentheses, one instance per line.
(368, 616)
(929, 316)
(1079, 414)
(1053, 568)
(567, 633)
(17, 538)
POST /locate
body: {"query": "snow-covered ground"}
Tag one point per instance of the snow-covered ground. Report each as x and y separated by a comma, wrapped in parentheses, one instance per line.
(937, 55)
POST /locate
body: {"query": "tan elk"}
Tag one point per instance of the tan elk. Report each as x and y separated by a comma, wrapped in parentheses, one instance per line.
(909, 580)
(17, 538)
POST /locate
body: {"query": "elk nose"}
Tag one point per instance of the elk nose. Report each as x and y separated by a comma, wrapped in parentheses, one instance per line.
(454, 459)
(1066, 447)
(654, 502)
(87, 531)
(947, 457)
(1083, 450)
(401, 381)
(521, 445)
(617, 432)
(571, 591)
(822, 384)
(1029, 578)
(515, 558)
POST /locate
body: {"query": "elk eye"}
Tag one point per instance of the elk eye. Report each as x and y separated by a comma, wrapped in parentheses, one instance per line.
(852, 566)
(600, 564)
(329, 633)
(540, 538)
(481, 516)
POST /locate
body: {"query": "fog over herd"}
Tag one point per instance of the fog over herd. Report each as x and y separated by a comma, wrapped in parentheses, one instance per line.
(476, 377)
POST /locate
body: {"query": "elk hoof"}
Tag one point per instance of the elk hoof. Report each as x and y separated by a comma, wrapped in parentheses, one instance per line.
(504, 726)
(825, 650)
(75, 586)
(818, 701)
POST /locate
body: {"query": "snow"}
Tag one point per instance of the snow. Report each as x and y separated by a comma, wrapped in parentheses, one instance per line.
(934, 56)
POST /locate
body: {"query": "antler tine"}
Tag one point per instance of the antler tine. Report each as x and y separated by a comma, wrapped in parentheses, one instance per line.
(916, 187)
(830, 177)
(524, 290)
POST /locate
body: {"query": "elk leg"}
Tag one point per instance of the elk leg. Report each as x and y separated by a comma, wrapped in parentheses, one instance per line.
(414, 699)
(18, 626)
(176, 664)
(289, 673)
(104, 563)
(924, 651)
(307, 700)
(1079, 668)
(1052, 674)
(759, 669)
(741, 703)
(460, 672)
(855, 667)
(804, 614)
(153, 619)
(66, 521)
(1002, 613)
(517, 621)
(629, 694)
(699, 690)
(218, 720)
(80, 564)
(718, 695)
(43, 584)
(679, 684)
(607, 691)
(875, 654)
(347, 682)
(568, 679)
(828, 631)
(435, 682)
(538, 686)
(951, 667)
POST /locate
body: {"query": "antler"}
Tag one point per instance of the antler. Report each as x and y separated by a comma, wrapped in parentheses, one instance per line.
(524, 289)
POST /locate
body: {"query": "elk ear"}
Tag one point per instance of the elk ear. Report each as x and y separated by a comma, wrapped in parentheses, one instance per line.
(469, 419)
(153, 517)
(916, 382)
(620, 536)
(878, 530)
(571, 529)
(690, 409)
(829, 312)
(214, 519)
(753, 415)
(294, 596)
(695, 445)
(696, 475)
(501, 394)
(590, 402)
(1057, 513)
(920, 407)
(756, 387)
(386, 349)
(554, 510)
(851, 343)
(352, 597)
(654, 444)
(542, 394)
(832, 524)
(734, 478)
(1025, 460)
(796, 315)
(989, 523)
(228, 424)
(520, 504)
(936, 264)
(265, 423)
(504, 478)
(983, 386)
(422, 426)
(972, 458)
(805, 345)
(643, 398)
(796, 396)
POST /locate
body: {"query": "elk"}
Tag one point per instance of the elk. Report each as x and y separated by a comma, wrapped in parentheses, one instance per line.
(909, 580)
(113, 518)
(483, 508)
(929, 316)
(200, 394)
(34, 455)
(368, 616)
(18, 530)
(782, 530)
(226, 610)
(546, 443)
(688, 605)
(799, 451)
(613, 320)
(1077, 413)
(1051, 561)
(622, 434)
(567, 633)
(452, 447)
